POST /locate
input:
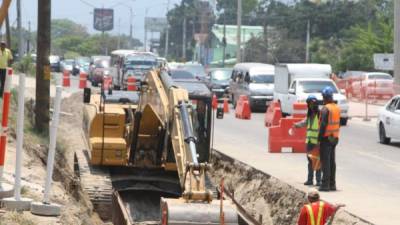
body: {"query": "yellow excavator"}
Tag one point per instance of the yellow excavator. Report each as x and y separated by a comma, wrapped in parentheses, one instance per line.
(148, 154)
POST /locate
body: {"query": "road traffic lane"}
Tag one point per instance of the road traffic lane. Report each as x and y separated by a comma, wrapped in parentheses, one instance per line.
(367, 172)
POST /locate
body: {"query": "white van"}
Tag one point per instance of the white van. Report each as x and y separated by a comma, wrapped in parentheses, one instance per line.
(256, 81)
(295, 82)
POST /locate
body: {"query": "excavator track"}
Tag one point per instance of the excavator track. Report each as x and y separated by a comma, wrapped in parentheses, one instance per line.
(96, 183)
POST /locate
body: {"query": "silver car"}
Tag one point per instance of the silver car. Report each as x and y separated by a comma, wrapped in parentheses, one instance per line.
(254, 80)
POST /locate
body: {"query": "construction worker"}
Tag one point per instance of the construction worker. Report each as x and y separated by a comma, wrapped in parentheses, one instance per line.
(312, 124)
(328, 138)
(316, 212)
(5, 61)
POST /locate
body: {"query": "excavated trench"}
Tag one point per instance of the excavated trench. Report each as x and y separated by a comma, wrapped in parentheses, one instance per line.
(265, 197)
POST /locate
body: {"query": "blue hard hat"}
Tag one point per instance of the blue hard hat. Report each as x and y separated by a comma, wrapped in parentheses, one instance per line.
(327, 92)
(311, 98)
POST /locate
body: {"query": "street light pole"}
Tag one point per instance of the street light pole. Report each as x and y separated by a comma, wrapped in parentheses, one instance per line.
(238, 32)
(397, 43)
(19, 25)
(167, 33)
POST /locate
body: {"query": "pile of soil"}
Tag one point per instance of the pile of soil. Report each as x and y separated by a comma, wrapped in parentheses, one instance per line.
(261, 194)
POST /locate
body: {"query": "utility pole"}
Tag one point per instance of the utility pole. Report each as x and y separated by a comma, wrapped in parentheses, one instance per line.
(19, 27)
(43, 67)
(8, 32)
(239, 31)
(119, 34)
(184, 39)
(167, 33)
(397, 44)
(131, 29)
(224, 43)
(308, 42)
(28, 42)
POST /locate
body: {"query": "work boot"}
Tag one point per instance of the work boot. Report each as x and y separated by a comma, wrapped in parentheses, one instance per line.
(308, 183)
(318, 183)
(323, 188)
(332, 188)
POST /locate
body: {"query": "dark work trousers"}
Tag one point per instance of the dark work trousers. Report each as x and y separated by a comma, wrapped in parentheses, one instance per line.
(310, 176)
(3, 73)
(328, 163)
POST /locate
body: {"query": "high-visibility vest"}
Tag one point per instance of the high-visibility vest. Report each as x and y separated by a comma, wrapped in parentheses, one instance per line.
(312, 130)
(332, 130)
(313, 220)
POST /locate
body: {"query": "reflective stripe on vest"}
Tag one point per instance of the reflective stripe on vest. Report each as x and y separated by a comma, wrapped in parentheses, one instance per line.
(333, 121)
(311, 213)
(312, 130)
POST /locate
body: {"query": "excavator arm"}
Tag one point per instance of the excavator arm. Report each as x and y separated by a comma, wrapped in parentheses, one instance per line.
(170, 107)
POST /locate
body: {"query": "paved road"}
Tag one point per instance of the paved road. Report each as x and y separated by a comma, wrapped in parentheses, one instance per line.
(367, 172)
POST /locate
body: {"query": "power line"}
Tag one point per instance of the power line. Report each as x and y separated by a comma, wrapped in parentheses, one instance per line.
(87, 3)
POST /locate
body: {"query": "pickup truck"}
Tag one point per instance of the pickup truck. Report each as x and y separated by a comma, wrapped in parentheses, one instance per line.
(295, 82)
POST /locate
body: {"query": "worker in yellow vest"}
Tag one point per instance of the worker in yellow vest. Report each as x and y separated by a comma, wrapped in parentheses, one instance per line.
(5, 61)
(312, 124)
(328, 138)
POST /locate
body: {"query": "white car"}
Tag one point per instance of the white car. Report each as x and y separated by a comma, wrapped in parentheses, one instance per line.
(389, 121)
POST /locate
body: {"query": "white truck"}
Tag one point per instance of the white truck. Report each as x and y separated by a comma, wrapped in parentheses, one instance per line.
(295, 82)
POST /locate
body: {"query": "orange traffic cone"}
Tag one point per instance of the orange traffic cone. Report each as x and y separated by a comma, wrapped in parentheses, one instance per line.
(226, 106)
(66, 81)
(214, 102)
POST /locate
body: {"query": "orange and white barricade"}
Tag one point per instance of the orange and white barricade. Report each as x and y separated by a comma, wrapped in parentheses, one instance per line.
(66, 79)
(131, 84)
(82, 80)
(4, 190)
(283, 137)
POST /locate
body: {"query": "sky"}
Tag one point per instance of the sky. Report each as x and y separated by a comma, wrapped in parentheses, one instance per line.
(82, 13)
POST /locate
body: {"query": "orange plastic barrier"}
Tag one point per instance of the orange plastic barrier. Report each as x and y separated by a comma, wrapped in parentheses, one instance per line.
(66, 80)
(285, 138)
(282, 136)
(273, 114)
(226, 106)
(82, 80)
(131, 84)
(214, 102)
(107, 82)
(243, 110)
(299, 110)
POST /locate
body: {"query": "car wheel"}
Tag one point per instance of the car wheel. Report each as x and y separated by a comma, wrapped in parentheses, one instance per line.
(382, 135)
(343, 121)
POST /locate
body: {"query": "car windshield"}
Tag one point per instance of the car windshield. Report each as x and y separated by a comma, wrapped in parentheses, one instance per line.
(221, 75)
(263, 79)
(180, 74)
(54, 59)
(316, 86)
(380, 77)
(68, 62)
(198, 70)
(140, 63)
(102, 64)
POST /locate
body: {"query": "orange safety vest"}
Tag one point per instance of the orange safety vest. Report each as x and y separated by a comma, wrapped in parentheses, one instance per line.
(313, 220)
(332, 130)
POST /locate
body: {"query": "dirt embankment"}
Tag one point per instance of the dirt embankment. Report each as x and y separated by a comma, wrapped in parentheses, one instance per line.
(262, 194)
(76, 207)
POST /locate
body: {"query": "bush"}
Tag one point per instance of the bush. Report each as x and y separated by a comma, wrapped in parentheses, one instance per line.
(26, 65)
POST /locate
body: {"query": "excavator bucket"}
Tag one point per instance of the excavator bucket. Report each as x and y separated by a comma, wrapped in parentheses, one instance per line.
(179, 212)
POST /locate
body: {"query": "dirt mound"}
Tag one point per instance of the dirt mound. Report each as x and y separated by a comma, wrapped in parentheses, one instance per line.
(261, 194)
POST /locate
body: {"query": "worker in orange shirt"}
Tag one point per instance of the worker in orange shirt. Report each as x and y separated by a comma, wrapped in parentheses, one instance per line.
(316, 212)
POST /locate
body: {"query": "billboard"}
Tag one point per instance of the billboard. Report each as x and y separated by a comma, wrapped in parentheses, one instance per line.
(155, 24)
(103, 19)
(384, 61)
